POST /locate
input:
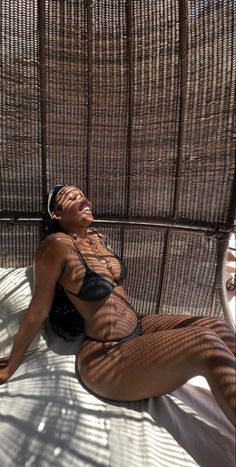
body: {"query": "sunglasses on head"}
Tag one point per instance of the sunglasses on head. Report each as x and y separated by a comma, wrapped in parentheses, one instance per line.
(52, 193)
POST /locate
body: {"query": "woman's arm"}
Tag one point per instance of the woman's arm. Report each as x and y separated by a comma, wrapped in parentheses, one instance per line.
(48, 265)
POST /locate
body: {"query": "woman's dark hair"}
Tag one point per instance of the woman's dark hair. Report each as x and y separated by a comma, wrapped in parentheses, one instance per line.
(49, 225)
(63, 317)
(65, 320)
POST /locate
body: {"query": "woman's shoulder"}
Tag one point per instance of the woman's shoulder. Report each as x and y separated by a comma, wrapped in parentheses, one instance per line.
(54, 244)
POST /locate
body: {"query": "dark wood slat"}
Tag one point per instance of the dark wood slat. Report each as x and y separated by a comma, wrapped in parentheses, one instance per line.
(42, 95)
(89, 5)
(183, 64)
(130, 100)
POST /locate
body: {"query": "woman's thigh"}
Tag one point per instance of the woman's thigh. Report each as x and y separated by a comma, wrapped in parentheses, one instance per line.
(146, 366)
(154, 323)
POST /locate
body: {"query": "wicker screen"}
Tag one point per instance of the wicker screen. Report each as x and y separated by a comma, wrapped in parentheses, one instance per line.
(132, 101)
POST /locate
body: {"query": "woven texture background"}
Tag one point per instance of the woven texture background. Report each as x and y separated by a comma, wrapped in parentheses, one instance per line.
(132, 101)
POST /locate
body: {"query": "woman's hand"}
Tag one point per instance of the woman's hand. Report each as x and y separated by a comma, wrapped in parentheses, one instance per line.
(4, 373)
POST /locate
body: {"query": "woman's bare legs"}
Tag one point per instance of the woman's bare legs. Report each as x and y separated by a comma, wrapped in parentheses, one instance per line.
(153, 323)
(159, 362)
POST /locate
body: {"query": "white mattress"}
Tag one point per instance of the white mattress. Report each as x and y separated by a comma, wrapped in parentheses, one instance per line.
(49, 419)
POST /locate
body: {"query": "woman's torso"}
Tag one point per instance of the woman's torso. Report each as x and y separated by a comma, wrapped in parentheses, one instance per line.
(112, 316)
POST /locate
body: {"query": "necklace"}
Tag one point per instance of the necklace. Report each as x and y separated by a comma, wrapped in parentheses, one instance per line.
(96, 252)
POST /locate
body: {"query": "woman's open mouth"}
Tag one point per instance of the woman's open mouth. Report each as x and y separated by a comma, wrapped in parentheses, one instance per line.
(87, 210)
(85, 207)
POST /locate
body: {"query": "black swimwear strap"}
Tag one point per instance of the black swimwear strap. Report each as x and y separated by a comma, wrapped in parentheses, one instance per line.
(136, 333)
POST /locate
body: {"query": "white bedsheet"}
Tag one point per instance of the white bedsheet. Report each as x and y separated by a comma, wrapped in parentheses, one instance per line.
(48, 419)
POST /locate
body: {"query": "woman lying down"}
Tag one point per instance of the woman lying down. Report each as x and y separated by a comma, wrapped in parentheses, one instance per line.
(124, 356)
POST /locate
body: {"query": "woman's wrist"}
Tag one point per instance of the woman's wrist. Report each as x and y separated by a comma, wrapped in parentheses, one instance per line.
(4, 373)
(8, 368)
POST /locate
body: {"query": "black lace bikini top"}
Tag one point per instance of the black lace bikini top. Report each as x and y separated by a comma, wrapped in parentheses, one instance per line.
(95, 287)
(64, 318)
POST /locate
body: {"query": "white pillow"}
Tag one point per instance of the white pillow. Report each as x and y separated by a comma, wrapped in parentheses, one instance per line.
(16, 287)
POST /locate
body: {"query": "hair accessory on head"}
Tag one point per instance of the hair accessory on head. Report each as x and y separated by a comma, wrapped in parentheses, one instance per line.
(52, 193)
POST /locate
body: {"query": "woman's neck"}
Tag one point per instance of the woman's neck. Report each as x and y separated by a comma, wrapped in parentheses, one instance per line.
(79, 233)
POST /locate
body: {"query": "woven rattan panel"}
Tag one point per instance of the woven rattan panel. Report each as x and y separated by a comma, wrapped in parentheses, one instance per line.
(177, 276)
(208, 156)
(20, 161)
(98, 93)
(65, 94)
(190, 267)
(133, 102)
(18, 244)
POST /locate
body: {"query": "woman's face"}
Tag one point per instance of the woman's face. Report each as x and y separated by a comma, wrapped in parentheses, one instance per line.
(76, 208)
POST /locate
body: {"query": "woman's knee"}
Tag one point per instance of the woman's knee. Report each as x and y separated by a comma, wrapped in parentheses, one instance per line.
(207, 344)
(212, 351)
(219, 325)
(224, 329)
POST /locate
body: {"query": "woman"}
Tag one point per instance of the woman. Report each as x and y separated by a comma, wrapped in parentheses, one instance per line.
(123, 356)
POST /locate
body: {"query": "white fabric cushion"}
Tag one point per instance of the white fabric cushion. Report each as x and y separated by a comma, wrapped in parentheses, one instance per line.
(54, 421)
(16, 287)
